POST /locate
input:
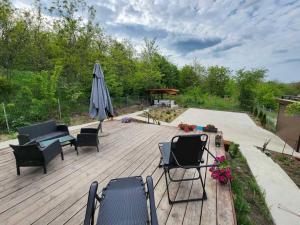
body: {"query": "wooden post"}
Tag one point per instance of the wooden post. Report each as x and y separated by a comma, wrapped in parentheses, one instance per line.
(5, 116)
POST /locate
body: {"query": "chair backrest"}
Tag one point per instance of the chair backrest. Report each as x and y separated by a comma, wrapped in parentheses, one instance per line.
(25, 153)
(188, 149)
(38, 129)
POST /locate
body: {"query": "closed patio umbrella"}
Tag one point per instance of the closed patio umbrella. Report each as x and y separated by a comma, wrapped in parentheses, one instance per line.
(100, 102)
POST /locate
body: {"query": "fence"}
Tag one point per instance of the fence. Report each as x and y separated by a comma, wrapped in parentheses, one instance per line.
(271, 117)
(13, 115)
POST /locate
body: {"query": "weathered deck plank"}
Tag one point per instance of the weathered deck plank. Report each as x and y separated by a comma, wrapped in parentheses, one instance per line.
(60, 196)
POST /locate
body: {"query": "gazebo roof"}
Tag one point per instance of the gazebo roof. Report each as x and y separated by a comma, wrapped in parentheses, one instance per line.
(170, 91)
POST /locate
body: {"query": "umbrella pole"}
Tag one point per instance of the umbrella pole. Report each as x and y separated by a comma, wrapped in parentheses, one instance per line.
(102, 134)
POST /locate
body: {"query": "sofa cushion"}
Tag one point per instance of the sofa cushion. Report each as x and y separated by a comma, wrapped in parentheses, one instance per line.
(37, 130)
(51, 135)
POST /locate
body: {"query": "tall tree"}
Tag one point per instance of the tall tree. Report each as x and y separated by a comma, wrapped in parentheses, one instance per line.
(248, 80)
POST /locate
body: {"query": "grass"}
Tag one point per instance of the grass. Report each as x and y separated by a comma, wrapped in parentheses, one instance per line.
(289, 164)
(208, 102)
(80, 117)
(249, 200)
(164, 114)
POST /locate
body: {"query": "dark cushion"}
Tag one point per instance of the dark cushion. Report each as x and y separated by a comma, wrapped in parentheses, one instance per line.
(39, 129)
(51, 135)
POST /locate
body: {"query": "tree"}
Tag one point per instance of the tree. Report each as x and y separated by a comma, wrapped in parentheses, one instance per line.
(266, 94)
(217, 79)
(169, 71)
(188, 78)
(247, 82)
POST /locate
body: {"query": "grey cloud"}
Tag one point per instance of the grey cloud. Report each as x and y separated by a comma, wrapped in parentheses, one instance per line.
(280, 51)
(291, 60)
(227, 47)
(193, 44)
(137, 31)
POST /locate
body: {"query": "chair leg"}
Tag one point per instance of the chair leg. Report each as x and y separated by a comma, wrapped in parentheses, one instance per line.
(45, 169)
(18, 170)
(204, 196)
(160, 162)
(167, 184)
(62, 155)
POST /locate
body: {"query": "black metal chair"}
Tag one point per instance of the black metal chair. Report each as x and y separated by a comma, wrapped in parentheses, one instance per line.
(88, 137)
(33, 155)
(123, 201)
(184, 151)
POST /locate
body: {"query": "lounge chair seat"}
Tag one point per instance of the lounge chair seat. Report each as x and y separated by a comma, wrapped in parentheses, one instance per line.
(123, 202)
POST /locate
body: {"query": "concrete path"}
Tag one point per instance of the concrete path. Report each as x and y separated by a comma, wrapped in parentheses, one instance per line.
(136, 115)
(281, 191)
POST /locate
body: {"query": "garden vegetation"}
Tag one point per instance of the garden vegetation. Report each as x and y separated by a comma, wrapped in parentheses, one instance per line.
(47, 56)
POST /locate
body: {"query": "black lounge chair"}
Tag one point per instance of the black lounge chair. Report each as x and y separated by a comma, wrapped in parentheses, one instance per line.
(184, 151)
(33, 155)
(123, 201)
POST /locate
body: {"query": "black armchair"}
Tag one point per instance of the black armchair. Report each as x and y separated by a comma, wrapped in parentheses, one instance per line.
(88, 137)
(123, 201)
(32, 155)
(92, 130)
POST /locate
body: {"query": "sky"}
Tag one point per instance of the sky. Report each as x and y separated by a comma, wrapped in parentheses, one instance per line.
(233, 33)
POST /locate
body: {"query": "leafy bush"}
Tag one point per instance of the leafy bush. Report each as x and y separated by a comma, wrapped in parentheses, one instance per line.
(263, 120)
(255, 112)
(293, 109)
(233, 150)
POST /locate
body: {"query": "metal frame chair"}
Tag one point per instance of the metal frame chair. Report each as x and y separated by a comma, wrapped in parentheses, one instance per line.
(123, 201)
(185, 151)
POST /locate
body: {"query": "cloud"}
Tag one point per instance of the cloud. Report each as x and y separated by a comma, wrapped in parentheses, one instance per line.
(226, 47)
(293, 60)
(236, 34)
(137, 31)
(193, 44)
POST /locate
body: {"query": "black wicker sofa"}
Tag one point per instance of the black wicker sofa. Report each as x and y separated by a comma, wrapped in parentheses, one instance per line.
(41, 132)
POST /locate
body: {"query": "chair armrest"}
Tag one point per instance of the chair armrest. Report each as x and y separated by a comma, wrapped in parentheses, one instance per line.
(87, 139)
(90, 207)
(51, 151)
(150, 188)
(63, 127)
(89, 130)
(23, 139)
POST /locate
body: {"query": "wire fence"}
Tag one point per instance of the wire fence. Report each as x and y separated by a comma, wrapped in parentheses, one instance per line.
(14, 115)
(270, 115)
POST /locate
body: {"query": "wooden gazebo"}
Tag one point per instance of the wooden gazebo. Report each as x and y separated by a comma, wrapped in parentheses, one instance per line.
(159, 94)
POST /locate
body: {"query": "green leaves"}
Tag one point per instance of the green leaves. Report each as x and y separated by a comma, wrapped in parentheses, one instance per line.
(293, 109)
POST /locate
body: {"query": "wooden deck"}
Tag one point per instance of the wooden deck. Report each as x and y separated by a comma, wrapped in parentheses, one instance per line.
(60, 196)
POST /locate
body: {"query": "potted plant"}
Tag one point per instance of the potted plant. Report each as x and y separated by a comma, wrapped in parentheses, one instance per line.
(210, 128)
(218, 140)
(221, 171)
(187, 127)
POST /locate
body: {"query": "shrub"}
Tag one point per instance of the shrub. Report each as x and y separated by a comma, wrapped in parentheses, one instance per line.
(263, 120)
(234, 150)
(255, 112)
